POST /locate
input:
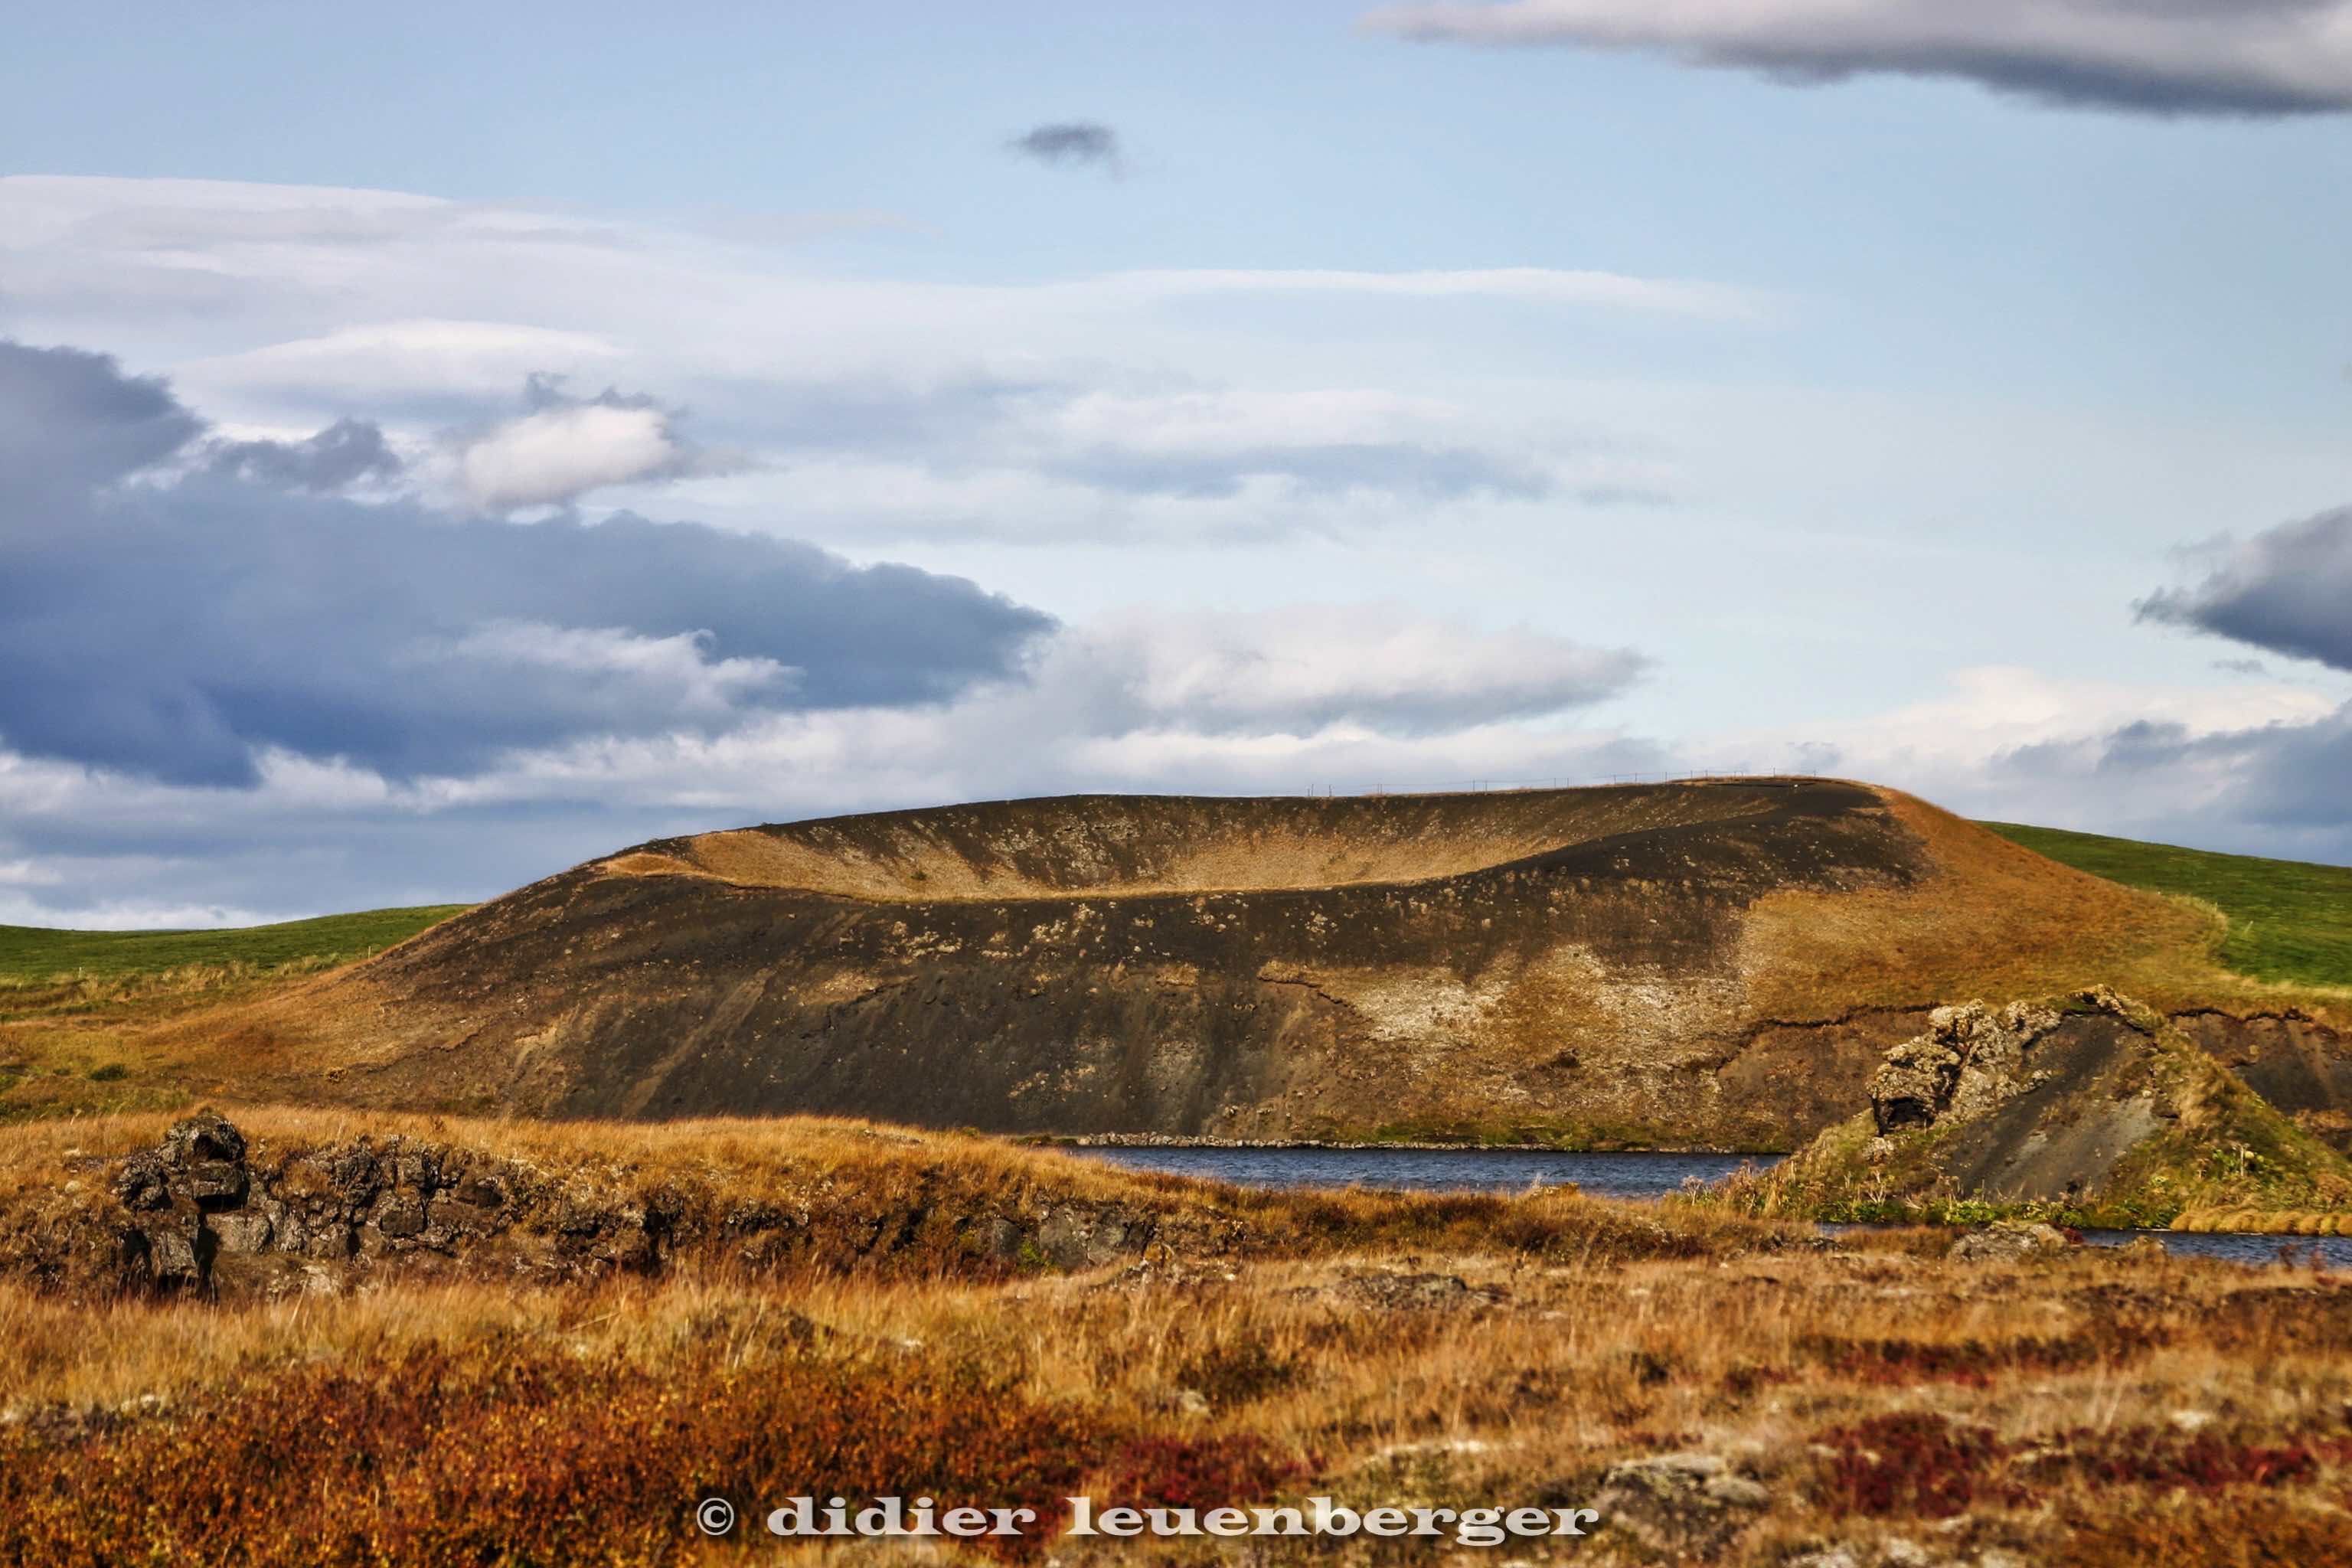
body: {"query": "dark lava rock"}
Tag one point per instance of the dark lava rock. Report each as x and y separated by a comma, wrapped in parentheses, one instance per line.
(206, 1136)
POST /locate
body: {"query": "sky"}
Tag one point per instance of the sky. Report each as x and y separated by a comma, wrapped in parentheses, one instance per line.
(438, 447)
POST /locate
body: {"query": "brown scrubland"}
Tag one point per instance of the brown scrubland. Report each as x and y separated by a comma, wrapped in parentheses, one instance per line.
(466, 1272)
(952, 1317)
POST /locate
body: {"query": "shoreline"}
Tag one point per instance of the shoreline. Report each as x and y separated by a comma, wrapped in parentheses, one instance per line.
(1210, 1140)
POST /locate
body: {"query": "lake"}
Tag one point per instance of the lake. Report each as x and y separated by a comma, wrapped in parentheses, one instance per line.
(1631, 1175)
(1605, 1176)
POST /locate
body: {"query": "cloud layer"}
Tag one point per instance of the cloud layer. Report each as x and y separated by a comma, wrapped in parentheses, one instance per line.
(1214, 403)
(179, 625)
(2165, 56)
(259, 677)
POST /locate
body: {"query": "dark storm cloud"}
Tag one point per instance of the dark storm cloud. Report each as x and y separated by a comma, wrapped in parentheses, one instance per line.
(172, 628)
(2288, 591)
(70, 420)
(1069, 142)
(2159, 57)
(335, 458)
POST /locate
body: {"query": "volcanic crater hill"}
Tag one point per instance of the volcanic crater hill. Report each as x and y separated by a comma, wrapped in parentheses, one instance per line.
(1704, 964)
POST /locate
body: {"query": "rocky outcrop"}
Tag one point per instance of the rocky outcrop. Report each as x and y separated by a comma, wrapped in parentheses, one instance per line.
(201, 1211)
(205, 1212)
(2009, 1243)
(1970, 1061)
(2095, 1110)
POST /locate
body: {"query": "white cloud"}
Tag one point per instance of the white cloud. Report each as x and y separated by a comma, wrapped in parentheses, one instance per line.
(1137, 404)
(1314, 670)
(632, 670)
(557, 455)
(395, 361)
(2262, 56)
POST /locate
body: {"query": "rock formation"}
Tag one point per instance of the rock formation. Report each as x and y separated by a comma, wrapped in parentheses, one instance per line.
(205, 1210)
(2097, 1108)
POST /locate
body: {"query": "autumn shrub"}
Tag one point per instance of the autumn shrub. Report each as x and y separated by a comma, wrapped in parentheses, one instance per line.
(1911, 1462)
(510, 1454)
(1203, 1473)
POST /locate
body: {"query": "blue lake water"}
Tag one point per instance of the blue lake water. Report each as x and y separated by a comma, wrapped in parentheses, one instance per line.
(1616, 1175)
(1636, 1175)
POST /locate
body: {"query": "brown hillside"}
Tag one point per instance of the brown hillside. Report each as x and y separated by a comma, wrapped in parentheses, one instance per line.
(1709, 963)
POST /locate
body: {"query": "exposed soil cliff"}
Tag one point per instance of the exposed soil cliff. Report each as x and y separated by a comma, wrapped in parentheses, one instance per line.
(2097, 1111)
(1704, 964)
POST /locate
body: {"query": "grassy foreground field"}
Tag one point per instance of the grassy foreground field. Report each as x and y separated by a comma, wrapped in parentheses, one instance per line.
(31, 954)
(2288, 921)
(1720, 1391)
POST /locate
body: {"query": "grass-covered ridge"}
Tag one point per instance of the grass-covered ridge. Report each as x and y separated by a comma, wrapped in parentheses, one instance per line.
(38, 953)
(2288, 921)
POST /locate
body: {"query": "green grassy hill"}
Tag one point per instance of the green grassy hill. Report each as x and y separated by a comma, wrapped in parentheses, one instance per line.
(2289, 920)
(35, 953)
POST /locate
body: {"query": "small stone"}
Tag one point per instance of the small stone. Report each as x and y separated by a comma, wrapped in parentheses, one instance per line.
(414, 1168)
(460, 1218)
(242, 1233)
(207, 1135)
(141, 1182)
(401, 1214)
(210, 1184)
(1691, 1504)
(481, 1193)
(1192, 1402)
(176, 1256)
(2008, 1243)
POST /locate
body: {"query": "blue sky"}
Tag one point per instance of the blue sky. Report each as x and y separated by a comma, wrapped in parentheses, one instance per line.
(1474, 391)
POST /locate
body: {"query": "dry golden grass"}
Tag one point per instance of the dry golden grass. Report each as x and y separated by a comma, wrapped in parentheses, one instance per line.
(1996, 920)
(2096, 1409)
